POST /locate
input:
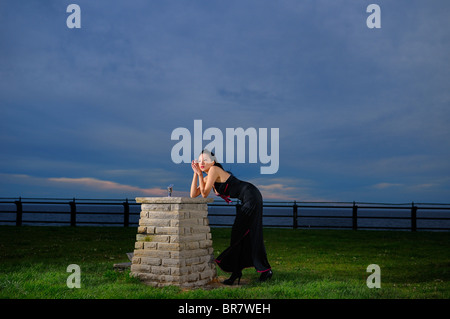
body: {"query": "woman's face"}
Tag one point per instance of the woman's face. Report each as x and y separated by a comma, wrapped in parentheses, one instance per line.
(205, 162)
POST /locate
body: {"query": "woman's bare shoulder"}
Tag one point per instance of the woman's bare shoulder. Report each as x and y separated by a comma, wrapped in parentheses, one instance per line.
(220, 175)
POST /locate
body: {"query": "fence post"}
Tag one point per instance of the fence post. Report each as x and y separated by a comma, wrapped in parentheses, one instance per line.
(73, 213)
(295, 215)
(126, 213)
(413, 217)
(355, 216)
(19, 212)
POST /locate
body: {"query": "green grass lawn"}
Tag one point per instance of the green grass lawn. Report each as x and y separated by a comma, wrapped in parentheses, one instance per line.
(306, 264)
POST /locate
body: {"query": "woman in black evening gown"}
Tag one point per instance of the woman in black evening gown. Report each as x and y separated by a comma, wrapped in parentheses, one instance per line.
(246, 246)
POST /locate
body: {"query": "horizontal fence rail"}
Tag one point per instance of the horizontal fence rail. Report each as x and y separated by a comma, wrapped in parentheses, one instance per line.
(295, 214)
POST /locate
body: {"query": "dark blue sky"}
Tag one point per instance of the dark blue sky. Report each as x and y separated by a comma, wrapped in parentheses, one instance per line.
(362, 113)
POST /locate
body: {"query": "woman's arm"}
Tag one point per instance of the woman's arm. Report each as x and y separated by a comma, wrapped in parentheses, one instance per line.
(195, 190)
(206, 186)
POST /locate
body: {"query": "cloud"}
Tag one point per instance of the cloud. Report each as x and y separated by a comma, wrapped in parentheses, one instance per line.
(355, 107)
(28, 186)
(287, 188)
(386, 185)
(416, 187)
(277, 191)
(424, 186)
(103, 185)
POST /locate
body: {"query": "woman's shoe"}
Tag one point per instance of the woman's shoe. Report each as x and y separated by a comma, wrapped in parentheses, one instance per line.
(266, 275)
(233, 277)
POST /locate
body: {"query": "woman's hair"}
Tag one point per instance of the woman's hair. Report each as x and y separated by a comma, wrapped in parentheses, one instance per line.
(212, 157)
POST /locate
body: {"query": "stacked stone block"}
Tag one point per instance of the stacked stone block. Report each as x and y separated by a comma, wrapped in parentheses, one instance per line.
(173, 243)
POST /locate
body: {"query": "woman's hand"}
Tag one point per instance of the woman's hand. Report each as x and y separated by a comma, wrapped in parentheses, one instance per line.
(196, 168)
(205, 184)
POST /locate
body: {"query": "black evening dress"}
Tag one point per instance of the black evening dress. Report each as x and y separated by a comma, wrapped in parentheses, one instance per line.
(246, 246)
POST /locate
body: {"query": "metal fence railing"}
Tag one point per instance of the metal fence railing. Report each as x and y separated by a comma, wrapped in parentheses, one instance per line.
(295, 214)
